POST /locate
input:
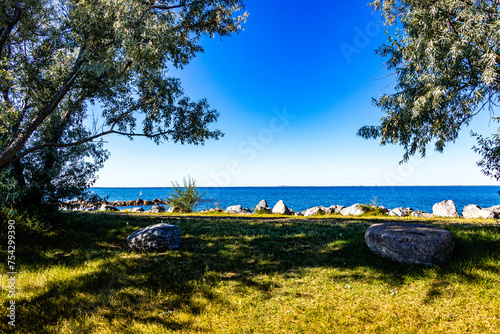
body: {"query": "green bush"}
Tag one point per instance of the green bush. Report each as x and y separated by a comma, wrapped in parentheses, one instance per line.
(371, 210)
(185, 198)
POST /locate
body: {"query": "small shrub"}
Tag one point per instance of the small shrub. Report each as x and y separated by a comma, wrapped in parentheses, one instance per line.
(260, 211)
(185, 198)
(371, 210)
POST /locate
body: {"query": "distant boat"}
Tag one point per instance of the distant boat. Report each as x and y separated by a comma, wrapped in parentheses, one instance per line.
(140, 193)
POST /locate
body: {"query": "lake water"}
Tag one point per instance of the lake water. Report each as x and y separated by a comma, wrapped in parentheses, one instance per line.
(301, 198)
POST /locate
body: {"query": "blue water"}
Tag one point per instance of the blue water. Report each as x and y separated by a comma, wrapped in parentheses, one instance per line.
(301, 198)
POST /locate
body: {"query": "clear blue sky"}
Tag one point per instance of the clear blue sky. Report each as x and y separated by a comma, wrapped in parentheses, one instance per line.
(292, 91)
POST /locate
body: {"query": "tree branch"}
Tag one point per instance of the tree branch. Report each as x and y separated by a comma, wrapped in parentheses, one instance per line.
(10, 152)
(10, 24)
(85, 140)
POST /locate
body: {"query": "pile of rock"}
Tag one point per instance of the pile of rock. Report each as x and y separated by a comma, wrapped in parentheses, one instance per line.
(442, 209)
(139, 201)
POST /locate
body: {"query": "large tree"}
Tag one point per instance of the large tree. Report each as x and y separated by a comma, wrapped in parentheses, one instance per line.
(445, 55)
(59, 56)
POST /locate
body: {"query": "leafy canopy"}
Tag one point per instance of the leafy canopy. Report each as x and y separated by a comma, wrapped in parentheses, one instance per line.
(58, 57)
(185, 198)
(445, 55)
(65, 54)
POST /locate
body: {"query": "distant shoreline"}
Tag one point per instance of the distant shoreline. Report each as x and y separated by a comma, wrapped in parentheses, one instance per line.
(376, 186)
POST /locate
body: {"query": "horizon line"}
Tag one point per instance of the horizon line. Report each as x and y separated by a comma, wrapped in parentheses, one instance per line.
(286, 186)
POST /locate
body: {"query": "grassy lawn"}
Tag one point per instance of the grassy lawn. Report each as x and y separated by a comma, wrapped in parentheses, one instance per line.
(248, 276)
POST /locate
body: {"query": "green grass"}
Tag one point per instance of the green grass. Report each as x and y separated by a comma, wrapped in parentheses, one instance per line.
(234, 275)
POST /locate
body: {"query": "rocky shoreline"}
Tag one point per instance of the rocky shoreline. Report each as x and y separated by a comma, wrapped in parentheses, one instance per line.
(445, 208)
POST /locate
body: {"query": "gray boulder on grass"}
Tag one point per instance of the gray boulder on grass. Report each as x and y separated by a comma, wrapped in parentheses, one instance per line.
(410, 243)
(353, 210)
(475, 211)
(445, 209)
(155, 238)
(281, 208)
(157, 209)
(237, 209)
(262, 207)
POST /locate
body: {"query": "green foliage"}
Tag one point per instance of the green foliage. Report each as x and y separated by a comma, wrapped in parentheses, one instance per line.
(446, 59)
(260, 211)
(373, 210)
(185, 198)
(489, 150)
(59, 58)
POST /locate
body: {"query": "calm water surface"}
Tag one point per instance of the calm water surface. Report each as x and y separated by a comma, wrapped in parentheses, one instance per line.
(301, 198)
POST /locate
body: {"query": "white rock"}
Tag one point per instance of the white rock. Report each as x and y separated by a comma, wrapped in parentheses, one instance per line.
(400, 212)
(262, 207)
(139, 209)
(157, 209)
(281, 208)
(317, 210)
(173, 209)
(445, 209)
(353, 210)
(107, 207)
(494, 208)
(238, 209)
(334, 209)
(475, 211)
(421, 214)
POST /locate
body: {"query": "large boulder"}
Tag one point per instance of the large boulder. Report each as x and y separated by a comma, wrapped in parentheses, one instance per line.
(353, 210)
(410, 243)
(155, 238)
(157, 209)
(107, 207)
(475, 211)
(445, 209)
(281, 209)
(317, 210)
(238, 209)
(262, 207)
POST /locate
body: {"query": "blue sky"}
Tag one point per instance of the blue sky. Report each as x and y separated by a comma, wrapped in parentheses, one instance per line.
(292, 91)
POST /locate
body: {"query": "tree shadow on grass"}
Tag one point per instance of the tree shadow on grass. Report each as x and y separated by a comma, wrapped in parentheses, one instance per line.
(125, 287)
